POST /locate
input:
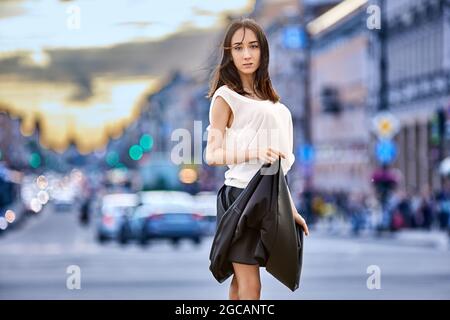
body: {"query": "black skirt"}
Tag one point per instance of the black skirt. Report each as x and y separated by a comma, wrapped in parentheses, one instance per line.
(242, 251)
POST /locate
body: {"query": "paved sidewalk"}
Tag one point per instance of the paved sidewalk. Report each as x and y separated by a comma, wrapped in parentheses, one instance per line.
(408, 237)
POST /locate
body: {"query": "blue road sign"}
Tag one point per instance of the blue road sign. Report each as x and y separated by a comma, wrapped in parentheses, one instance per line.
(385, 150)
(294, 37)
(306, 153)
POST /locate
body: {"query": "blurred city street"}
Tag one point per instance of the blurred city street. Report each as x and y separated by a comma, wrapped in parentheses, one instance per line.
(110, 167)
(33, 264)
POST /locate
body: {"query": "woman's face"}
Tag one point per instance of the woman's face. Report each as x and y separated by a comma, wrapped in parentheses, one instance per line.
(245, 54)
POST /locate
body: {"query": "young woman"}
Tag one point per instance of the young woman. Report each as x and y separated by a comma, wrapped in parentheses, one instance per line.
(245, 110)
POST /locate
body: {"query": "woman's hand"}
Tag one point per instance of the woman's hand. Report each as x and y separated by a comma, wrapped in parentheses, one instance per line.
(268, 155)
(299, 219)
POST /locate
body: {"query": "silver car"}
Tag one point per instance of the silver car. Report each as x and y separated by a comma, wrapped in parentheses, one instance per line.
(115, 211)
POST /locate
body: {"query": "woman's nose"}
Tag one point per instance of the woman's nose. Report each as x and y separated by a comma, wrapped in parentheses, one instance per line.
(246, 53)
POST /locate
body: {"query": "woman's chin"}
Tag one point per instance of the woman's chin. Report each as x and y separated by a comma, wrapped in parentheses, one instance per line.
(247, 71)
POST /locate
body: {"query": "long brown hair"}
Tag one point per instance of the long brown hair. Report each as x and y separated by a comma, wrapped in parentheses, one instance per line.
(226, 73)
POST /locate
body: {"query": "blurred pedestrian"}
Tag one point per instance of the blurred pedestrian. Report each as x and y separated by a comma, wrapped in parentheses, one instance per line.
(426, 210)
(86, 205)
(443, 205)
(357, 211)
(84, 212)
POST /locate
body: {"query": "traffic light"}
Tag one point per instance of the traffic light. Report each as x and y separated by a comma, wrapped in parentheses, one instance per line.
(330, 99)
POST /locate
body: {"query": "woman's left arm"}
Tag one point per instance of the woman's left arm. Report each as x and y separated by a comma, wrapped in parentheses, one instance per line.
(297, 217)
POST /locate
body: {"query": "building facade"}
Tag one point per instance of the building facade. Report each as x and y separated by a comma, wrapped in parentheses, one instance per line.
(417, 55)
(340, 121)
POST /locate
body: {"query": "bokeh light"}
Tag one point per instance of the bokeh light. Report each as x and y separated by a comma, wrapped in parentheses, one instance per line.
(43, 196)
(188, 175)
(3, 223)
(42, 182)
(10, 216)
(146, 142)
(35, 205)
(35, 160)
(136, 152)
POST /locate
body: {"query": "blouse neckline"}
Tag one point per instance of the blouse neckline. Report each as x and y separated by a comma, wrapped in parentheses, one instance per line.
(244, 97)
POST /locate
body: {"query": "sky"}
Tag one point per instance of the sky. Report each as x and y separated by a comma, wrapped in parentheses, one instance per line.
(84, 65)
(33, 25)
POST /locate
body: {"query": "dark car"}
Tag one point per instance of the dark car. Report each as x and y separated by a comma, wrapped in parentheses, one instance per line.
(168, 215)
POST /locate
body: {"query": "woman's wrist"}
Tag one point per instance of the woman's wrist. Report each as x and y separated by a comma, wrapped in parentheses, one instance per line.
(297, 216)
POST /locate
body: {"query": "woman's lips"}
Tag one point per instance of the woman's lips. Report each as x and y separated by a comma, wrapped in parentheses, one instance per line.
(246, 65)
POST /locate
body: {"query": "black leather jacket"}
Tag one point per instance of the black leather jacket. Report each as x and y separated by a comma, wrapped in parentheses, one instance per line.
(265, 205)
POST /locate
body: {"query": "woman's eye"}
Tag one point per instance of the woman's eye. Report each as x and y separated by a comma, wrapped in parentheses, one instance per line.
(254, 46)
(238, 48)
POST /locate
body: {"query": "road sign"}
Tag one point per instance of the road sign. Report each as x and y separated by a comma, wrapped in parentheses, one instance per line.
(306, 153)
(385, 125)
(385, 150)
(294, 37)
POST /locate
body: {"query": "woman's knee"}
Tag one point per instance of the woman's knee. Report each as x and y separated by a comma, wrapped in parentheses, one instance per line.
(234, 290)
(247, 277)
(250, 285)
(251, 290)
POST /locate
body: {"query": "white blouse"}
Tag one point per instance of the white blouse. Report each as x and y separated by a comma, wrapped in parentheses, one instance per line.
(256, 124)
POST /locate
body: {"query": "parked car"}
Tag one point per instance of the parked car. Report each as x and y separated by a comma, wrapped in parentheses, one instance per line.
(168, 215)
(116, 210)
(206, 204)
(12, 209)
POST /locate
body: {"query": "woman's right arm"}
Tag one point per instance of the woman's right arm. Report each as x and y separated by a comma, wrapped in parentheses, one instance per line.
(217, 154)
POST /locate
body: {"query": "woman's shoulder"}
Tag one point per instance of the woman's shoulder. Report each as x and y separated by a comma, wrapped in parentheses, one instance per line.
(282, 106)
(223, 90)
(227, 94)
(226, 90)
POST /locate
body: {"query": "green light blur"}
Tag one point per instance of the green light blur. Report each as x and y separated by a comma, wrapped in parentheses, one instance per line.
(112, 158)
(146, 142)
(136, 152)
(35, 160)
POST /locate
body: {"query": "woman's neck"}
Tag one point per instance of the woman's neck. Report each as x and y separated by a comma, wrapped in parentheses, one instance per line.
(247, 81)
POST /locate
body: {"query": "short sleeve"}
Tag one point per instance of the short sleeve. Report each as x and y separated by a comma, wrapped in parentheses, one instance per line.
(226, 95)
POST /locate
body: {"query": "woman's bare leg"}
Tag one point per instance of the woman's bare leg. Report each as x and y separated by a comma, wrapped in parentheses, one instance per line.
(248, 281)
(233, 294)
